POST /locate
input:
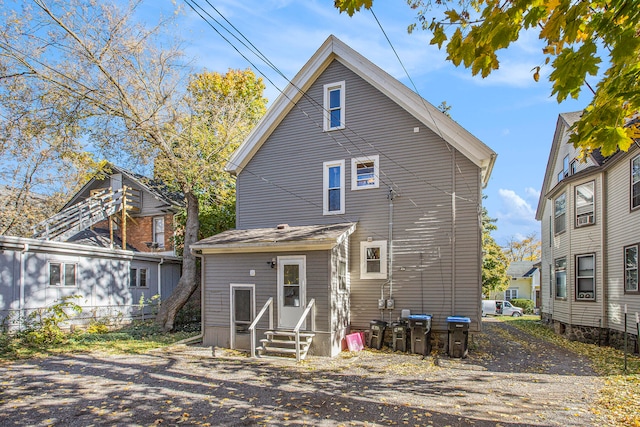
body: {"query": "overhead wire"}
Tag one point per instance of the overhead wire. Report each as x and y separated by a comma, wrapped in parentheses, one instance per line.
(195, 6)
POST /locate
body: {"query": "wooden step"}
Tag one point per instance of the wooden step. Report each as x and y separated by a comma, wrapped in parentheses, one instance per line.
(290, 334)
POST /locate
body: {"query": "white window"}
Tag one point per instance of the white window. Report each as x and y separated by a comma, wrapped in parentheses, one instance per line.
(158, 231)
(138, 277)
(631, 268)
(585, 277)
(334, 111)
(635, 182)
(62, 274)
(333, 192)
(342, 275)
(510, 294)
(560, 214)
(373, 259)
(585, 212)
(573, 167)
(365, 172)
(561, 278)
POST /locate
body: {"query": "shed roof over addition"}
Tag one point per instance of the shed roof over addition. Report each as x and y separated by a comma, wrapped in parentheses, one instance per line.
(280, 238)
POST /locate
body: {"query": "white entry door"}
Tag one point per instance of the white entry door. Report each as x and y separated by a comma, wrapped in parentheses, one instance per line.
(291, 290)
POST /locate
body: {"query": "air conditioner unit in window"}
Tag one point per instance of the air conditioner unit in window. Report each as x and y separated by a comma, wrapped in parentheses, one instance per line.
(585, 295)
(584, 220)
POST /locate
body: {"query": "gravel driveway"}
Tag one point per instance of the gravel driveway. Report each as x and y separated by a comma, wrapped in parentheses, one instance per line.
(509, 379)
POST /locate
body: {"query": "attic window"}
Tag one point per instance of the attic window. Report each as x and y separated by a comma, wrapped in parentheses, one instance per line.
(334, 111)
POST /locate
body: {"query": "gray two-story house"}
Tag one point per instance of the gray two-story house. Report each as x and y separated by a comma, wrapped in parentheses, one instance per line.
(353, 193)
(589, 209)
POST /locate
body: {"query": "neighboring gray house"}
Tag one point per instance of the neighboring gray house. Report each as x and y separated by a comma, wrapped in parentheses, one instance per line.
(353, 192)
(590, 214)
(38, 273)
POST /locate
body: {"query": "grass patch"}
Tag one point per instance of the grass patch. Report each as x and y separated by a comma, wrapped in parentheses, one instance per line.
(138, 337)
(619, 400)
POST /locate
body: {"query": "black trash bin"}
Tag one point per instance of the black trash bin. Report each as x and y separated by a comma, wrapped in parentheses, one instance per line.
(458, 336)
(420, 326)
(400, 335)
(376, 333)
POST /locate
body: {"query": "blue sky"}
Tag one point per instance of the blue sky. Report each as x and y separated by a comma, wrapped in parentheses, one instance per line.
(508, 111)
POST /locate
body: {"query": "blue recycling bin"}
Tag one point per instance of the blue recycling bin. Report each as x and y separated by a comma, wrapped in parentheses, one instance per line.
(458, 336)
(420, 327)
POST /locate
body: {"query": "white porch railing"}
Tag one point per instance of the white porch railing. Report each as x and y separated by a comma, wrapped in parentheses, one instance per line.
(252, 327)
(303, 317)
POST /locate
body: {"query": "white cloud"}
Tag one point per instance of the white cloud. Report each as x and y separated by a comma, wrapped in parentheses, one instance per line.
(532, 193)
(516, 210)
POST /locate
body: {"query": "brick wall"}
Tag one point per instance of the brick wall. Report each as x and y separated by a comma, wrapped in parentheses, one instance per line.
(140, 231)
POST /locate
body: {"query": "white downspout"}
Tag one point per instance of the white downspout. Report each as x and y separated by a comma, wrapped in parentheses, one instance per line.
(160, 279)
(390, 250)
(22, 284)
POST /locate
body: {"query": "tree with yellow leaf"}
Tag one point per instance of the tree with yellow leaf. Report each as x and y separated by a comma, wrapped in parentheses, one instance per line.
(579, 37)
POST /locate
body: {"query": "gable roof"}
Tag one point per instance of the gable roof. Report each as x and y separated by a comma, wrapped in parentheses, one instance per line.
(334, 49)
(156, 188)
(565, 121)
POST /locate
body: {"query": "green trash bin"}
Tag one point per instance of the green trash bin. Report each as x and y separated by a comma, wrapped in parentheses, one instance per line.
(458, 336)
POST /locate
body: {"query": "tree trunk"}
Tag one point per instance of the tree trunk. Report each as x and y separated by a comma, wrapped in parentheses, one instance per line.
(189, 279)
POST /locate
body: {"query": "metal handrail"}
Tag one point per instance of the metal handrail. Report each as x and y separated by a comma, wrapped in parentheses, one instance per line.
(252, 327)
(303, 317)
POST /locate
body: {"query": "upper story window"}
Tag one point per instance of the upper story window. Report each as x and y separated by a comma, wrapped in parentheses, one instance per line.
(373, 259)
(565, 169)
(573, 167)
(585, 212)
(364, 172)
(631, 268)
(585, 277)
(635, 182)
(334, 111)
(62, 274)
(333, 191)
(158, 231)
(560, 214)
(561, 278)
(138, 277)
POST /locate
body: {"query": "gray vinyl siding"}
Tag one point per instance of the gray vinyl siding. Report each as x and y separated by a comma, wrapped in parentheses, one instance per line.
(623, 229)
(283, 184)
(222, 270)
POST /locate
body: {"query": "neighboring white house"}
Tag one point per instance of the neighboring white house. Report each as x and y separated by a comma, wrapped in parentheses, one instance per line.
(590, 214)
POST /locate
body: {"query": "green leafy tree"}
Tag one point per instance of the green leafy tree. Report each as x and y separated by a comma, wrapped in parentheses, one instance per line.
(494, 261)
(111, 84)
(526, 249)
(577, 35)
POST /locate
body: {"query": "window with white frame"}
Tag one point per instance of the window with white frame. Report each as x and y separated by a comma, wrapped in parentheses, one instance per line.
(373, 259)
(62, 274)
(138, 277)
(158, 231)
(364, 172)
(333, 192)
(635, 182)
(334, 111)
(585, 277)
(510, 294)
(342, 275)
(631, 268)
(560, 214)
(585, 211)
(561, 278)
(573, 167)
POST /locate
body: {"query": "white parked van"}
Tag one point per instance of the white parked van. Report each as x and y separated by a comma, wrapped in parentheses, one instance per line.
(499, 307)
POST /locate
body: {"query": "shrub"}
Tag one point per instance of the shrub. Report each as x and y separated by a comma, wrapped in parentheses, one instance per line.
(43, 325)
(525, 304)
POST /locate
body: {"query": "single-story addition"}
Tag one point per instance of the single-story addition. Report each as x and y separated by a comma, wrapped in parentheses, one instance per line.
(111, 283)
(357, 202)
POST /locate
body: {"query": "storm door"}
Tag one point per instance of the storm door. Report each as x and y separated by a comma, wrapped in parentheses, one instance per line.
(291, 290)
(242, 314)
